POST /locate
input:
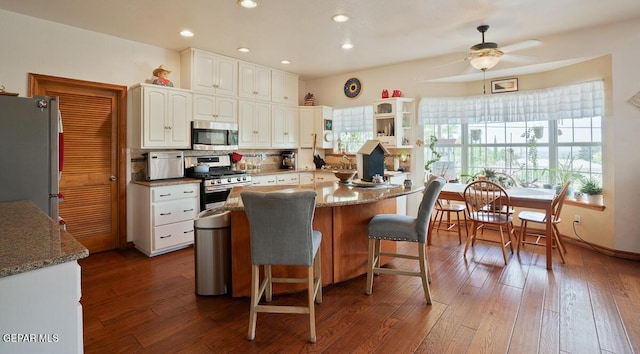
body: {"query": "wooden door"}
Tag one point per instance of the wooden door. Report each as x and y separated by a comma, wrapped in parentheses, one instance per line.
(94, 174)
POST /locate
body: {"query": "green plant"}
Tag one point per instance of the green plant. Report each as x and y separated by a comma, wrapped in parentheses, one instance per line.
(435, 155)
(489, 173)
(565, 171)
(591, 187)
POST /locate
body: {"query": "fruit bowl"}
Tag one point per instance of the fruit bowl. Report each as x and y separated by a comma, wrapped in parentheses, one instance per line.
(345, 176)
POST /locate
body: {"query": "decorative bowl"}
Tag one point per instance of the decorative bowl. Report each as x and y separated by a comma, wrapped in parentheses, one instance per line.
(345, 176)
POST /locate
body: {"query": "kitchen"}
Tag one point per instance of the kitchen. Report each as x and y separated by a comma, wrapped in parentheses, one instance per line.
(114, 67)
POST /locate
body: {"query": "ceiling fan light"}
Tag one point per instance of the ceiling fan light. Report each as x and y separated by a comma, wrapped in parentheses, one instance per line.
(484, 62)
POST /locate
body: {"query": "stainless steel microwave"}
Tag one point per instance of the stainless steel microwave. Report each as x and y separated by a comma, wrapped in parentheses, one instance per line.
(214, 135)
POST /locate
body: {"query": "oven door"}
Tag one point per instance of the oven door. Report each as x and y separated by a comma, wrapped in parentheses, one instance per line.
(213, 197)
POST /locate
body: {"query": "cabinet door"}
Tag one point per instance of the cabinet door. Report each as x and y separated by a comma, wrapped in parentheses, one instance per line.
(263, 125)
(291, 179)
(203, 72)
(284, 122)
(226, 109)
(306, 126)
(154, 117)
(180, 116)
(226, 71)
(284, 88)
(255, 82)
(204, 107)
(254, 120)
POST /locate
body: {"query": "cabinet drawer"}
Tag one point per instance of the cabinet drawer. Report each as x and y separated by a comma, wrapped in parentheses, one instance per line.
(173, 234)
(288, 179)
(174, 192)
(175, 211)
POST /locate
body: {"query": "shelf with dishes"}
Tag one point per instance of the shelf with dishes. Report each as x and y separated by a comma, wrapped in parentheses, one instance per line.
(393, 121)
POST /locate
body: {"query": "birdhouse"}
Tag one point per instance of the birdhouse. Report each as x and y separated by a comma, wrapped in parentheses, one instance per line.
(371, 160)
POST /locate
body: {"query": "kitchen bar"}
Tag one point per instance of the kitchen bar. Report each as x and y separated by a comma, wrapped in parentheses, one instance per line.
(342, 214)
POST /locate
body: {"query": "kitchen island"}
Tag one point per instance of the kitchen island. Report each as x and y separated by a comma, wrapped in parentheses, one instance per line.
(342, 215)
(39, 283)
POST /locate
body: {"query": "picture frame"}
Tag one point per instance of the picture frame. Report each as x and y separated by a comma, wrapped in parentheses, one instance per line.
(505, 85)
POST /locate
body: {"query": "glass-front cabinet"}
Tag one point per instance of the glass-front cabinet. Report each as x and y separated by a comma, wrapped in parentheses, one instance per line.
(393, 121)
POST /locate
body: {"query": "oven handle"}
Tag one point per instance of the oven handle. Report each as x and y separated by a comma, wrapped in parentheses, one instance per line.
(213, 189)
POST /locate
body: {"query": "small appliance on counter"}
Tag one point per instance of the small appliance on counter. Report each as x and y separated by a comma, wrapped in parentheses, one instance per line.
(164, 165)
(288, 160)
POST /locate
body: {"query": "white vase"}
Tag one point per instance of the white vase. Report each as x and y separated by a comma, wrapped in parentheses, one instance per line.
(595, 199)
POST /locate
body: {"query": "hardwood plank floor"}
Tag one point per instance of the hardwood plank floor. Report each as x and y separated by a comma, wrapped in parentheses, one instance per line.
(135, 304)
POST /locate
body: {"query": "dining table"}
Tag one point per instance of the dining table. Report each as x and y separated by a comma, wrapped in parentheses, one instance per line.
(531, 198)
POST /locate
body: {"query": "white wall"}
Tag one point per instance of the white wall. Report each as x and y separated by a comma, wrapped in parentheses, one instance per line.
(618, 226)
(31, 45)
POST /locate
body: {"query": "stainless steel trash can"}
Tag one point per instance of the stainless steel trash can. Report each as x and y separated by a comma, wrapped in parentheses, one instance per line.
(213, 252)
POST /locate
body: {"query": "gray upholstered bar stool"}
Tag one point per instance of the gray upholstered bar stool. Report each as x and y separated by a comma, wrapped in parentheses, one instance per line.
(404, 228)
(281, 234)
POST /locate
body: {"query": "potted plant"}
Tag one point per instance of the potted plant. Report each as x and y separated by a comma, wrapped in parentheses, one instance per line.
(593, 190)
(565, 173)
(435, 155)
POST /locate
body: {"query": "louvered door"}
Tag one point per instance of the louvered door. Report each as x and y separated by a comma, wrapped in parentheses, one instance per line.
(90, 180)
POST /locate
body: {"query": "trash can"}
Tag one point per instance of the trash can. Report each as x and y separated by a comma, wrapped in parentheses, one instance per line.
(213, 252)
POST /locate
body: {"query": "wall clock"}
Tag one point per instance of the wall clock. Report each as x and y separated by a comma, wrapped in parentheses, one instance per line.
(352, 87)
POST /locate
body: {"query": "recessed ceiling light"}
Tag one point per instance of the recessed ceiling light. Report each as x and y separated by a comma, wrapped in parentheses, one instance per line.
(285, 62)
(340, 18)
(186, 33)
(243, 50)
(347, 46)
(249, 4)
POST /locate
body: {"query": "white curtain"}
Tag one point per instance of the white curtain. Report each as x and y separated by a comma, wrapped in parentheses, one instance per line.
(573, 101)
(354, 119)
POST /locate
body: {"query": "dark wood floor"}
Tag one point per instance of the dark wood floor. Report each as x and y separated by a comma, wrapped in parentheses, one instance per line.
(591, 304)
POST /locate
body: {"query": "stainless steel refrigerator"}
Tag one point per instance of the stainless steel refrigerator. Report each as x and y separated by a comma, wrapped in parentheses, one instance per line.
(30, 143)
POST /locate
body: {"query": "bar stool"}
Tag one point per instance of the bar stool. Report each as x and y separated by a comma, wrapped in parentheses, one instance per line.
(281, 234)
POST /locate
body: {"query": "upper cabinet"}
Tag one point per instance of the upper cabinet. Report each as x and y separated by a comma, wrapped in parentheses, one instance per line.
(254, 124)
(284, 88)
(208, 72)
(215, 108)
(255, 81)
(316, 125)
(393, 121)
(161, 117)
(284, 126)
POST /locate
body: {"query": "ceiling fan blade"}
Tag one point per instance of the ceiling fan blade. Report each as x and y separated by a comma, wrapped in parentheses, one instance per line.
(519, 58)
(530, 43)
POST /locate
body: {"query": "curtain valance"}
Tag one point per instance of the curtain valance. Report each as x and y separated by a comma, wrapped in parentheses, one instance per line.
(566, 102)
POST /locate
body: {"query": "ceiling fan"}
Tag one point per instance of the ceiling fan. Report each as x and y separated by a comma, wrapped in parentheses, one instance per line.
(484, 56)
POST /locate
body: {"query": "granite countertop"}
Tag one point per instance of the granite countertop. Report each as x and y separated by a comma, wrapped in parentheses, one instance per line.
(330, 194)
(30, 240)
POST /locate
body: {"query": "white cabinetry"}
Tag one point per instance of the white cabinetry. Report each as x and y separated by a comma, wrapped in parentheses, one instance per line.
(161, 117)
(288, 179)
(284, 88)
(208, 72)
(45, 302)
(393, 120)
(254, 124)
(401, 202)
(313, 121)
(284, 126)
(215, 108)
(255, 81)
(306, 178)
(163, 217)
(264, 180)
(324, 177)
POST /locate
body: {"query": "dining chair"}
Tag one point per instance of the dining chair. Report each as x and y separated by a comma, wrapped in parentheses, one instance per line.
(281, 234)
(540, 218)
(394, 227)
(446, 207)
(486, 202)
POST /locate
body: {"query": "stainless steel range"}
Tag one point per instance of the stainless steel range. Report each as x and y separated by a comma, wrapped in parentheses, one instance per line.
(217, 178)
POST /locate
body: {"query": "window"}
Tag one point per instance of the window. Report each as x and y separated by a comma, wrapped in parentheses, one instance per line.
(352, 127)
(539, 136)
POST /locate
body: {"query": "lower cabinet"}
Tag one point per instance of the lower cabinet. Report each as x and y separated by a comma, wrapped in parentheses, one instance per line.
(401, 202)
(163, 217)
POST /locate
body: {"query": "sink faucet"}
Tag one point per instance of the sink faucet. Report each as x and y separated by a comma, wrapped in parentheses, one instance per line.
(346, 165)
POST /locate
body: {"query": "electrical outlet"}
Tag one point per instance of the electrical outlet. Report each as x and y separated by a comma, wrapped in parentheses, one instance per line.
(577, 219)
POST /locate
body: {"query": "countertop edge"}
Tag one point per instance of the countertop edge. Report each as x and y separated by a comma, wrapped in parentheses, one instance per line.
(39, 264)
